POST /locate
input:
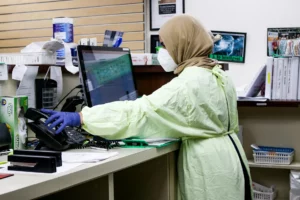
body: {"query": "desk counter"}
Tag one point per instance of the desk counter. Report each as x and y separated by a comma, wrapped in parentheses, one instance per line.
(28, 186)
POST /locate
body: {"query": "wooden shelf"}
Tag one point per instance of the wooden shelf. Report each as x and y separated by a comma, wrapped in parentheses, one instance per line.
(268, 103)
(149, 69)
(159, 69)
(292, 166)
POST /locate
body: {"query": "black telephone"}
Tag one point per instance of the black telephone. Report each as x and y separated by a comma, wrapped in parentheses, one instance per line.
(48, 138)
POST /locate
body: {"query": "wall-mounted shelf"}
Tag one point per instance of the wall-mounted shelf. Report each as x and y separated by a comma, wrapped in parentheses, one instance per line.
(42, 68)
(136, 69)
(268, 103)
(292, 166)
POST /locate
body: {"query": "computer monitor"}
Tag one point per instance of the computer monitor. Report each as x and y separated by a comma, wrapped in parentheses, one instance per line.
(106, 74)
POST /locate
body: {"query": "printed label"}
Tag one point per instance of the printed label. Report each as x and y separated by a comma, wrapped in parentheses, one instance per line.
(60, 35)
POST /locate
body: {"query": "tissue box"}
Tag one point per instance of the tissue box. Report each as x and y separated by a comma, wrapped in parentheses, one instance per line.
(12, 112)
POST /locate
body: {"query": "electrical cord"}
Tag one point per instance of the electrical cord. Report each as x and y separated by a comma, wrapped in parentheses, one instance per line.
(77, 87)
(72, 102)
(80, 91)
(83, 105)
(70, 106)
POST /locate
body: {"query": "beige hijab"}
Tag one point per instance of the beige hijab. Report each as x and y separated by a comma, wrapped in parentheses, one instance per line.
(187, 42)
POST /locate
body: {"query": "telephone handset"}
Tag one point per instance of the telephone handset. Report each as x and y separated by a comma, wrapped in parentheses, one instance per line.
(49, 138)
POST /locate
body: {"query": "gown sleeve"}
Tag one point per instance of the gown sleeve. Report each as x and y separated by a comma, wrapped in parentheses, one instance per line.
(183, 108)
(161, 114)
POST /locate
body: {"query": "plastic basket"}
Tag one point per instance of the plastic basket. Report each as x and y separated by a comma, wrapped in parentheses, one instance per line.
(273, 155)
(28, 58)
(261, 192)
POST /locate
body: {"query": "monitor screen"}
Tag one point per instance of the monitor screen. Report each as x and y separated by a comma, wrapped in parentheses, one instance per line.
(106, 75)
(230, 48)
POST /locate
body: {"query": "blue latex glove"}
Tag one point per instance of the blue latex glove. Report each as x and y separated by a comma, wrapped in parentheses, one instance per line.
(62, 119)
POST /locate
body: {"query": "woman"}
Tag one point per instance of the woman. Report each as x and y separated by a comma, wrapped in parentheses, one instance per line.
(198, 106)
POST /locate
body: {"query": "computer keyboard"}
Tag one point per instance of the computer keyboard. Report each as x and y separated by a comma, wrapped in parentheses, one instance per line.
(78, 140)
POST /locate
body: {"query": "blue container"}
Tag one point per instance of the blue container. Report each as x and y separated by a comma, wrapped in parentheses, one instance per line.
(63, 29)
(274, 149)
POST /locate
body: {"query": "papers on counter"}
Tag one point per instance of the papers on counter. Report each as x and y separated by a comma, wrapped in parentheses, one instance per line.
(70, 160)
(86, 157)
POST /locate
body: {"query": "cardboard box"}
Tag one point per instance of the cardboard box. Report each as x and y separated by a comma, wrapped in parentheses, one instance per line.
(12, 112)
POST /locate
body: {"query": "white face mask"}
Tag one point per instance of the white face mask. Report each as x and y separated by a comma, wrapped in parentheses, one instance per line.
(166, 61)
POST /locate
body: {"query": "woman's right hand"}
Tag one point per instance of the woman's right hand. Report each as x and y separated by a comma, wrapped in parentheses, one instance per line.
(61, 119)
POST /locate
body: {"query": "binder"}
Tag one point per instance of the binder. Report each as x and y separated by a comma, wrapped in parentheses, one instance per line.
(285, 79)
(298, 93)
(257, 83)
(289, 80)
(275, 78)
(293, 78)
(279, 79)
(269, 74)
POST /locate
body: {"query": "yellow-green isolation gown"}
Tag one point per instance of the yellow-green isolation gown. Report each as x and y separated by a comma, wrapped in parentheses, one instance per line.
(192, 107)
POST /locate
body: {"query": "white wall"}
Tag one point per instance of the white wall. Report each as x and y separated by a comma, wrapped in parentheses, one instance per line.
(252, 17)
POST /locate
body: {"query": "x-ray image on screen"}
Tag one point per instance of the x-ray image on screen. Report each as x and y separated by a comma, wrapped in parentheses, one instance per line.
(230, 48)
